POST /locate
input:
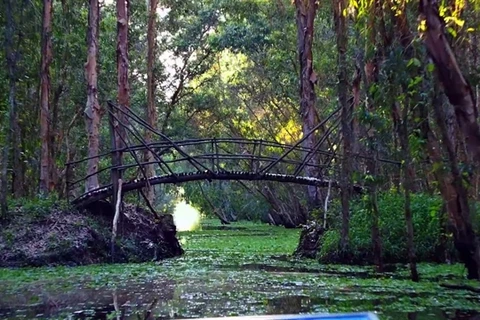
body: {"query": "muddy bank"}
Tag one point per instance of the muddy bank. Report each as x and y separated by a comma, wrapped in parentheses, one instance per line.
(65, 236)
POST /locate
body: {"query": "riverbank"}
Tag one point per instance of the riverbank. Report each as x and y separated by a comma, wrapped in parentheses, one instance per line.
(56, 234)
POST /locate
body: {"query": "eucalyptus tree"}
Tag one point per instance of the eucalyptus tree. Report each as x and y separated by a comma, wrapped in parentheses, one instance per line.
(306, 11)
(339, 7)
(460, 95)
(93, 110)
(152, 116)
(46, 161)
(11, 58)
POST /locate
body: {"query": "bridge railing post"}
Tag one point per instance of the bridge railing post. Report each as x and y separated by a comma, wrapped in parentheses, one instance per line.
(253, 168)
(213, 144)
(216, 154)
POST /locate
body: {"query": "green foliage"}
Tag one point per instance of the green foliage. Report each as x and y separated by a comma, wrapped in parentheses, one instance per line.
(38, 206)
(231, 199)
(426, 215)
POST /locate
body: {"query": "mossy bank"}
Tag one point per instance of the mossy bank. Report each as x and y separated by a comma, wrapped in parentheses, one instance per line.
(48, 232)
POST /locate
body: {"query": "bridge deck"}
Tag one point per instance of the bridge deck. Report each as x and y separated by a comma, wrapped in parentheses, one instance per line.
(107, 191)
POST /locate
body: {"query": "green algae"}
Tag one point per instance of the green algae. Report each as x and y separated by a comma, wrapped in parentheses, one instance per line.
(242, 269)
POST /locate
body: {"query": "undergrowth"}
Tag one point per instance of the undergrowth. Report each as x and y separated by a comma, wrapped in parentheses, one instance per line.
(427, 222)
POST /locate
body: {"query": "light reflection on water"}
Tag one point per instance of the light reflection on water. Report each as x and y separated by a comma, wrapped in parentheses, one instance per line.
(209, 283)
(222, 294)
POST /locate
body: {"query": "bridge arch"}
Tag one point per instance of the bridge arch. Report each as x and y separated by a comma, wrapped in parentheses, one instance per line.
(193, 160)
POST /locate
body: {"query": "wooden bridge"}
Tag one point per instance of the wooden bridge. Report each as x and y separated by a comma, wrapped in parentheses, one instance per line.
(191, 160)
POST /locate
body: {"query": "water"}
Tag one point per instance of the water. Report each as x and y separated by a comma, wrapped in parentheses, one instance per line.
(227, 273)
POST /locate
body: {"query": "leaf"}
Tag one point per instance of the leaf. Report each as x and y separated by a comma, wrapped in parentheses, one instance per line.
(422, 26)
(414, 62)
(430, 67)
(452, 31)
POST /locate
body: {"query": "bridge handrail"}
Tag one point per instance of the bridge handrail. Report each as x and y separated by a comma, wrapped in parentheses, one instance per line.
(202, 157)
(190, 142)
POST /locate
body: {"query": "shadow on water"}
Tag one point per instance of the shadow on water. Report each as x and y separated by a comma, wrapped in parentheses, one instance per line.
(209, 285)
(86, 302)
(332, 272)
(167, 299)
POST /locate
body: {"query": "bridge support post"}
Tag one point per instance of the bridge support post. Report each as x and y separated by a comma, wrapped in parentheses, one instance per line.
(116, 173)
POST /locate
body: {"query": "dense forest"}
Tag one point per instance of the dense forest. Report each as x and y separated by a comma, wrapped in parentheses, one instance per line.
(386, 88)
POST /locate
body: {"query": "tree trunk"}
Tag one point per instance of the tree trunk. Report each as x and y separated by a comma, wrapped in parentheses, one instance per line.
(456, 196)
(123, 94)
(45, 156)
(375, 229)
(342, 88)
(456, 88)
(92, 110)
(11, 65)
(461, 97)
(401, 119)
(152, 117)
(305, 17)
(402, 128)
(371, 78)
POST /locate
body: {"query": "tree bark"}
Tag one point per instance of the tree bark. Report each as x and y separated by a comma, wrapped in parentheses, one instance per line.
(371, 78)
(152, 117)
(92, 111)
(13, 56)
(45, 156)
(456, 87)
(407, 185)
(11, 65)
(375, 229)
(305, 17)
(455, 195)
(346, 120)
(401, 119)
(465, 113)
(123, 94)
(123, 88)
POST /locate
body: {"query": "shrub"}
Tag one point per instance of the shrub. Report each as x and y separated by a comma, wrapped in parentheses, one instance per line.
(426, 215)
(39, 206)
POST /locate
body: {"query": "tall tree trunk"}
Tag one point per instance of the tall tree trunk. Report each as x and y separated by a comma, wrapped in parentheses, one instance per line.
(342, 88)
(402, 127)
(375, 229)
(45, 156)
(461, 97)
(371, 78)
(401, 118)
(92, 111)
(123, 95)
(152, 117)
(305, 17)
(456, 195)
(11, 64)
(457, 89)
(18, 165)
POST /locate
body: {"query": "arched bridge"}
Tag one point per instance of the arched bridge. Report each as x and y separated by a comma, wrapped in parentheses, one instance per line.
(190, 160)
